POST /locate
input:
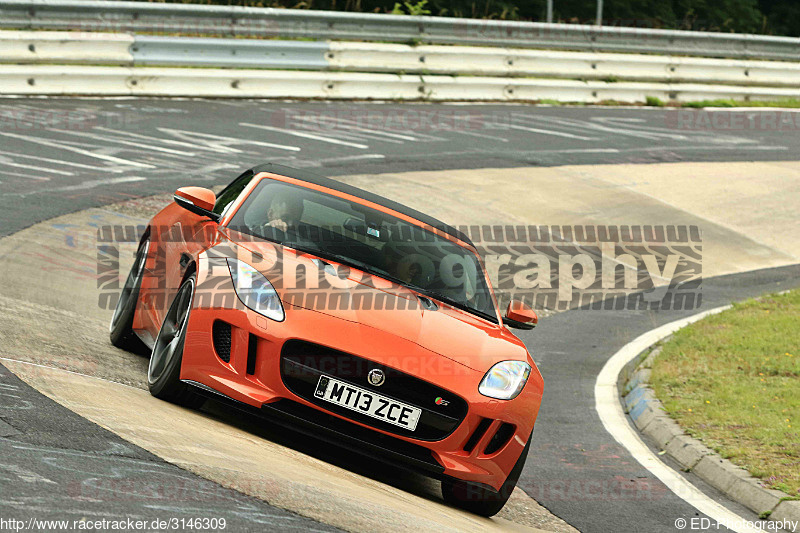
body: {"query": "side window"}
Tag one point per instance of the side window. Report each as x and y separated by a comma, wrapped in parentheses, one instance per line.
(230, 193)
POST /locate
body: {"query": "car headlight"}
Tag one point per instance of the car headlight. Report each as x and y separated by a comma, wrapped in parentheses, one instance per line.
(505, 380)
(255, 291)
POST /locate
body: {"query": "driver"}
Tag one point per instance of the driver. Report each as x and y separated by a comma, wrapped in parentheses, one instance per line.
(284, 211)
(406, 268)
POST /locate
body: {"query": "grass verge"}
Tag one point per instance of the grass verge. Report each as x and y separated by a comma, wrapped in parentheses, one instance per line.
(652, 101)
(729, 102)
(733, 381)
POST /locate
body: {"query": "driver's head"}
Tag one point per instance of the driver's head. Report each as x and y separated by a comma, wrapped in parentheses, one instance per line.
(286, 207)
(404, 267)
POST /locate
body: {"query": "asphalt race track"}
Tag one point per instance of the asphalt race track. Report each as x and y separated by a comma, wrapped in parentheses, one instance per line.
(47, 448)
(59, 156)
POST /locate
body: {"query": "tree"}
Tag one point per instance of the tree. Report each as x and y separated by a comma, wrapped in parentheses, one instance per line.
(777, 17)
(781, 17)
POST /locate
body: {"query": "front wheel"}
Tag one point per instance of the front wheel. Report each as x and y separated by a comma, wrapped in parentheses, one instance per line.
(120, 329)
(479, 499)
(163, 374)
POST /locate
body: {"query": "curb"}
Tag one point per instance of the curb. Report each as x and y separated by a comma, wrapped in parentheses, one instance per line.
(649, 416)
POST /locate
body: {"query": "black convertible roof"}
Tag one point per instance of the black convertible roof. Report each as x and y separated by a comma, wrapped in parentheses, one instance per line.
(316, 179)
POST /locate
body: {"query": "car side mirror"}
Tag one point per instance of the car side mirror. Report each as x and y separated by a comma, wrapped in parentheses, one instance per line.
(197, 200)
(520, 316)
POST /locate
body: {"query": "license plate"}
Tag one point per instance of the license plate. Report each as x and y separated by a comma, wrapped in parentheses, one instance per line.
(367, 402)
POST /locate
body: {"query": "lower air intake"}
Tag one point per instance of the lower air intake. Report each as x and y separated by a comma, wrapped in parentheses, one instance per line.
(500, 439)
(221, 332)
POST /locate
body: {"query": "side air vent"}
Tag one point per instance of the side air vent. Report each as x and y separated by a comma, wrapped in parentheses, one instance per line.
(478, 434)
(221, 332)
(252, 351)
(501, 438)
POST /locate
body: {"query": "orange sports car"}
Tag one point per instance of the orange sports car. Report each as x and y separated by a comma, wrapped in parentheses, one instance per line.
(343, 314)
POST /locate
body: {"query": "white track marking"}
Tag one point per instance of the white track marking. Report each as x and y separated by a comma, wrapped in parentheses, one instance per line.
(357, 126)
(58, 161)
(81, 151)
(609, 408)
(6, 173)
(551, 132)
(305, 135)
(353, 125)
(481, 135)
(342, 131)
(148, 138)
(110, 139)
(350, 133)
(220, 144)
(594, 128)
(351, 158)
(36, 168)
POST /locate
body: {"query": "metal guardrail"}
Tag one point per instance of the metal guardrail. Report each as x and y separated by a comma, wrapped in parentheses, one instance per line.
(96, 48)
(61, 47)
(229, 53)
(249, 83)
(293, 23)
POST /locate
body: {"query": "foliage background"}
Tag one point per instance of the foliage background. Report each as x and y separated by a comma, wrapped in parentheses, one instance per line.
(775, 17)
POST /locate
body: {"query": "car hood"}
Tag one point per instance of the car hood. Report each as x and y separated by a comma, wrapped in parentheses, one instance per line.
(449, 332)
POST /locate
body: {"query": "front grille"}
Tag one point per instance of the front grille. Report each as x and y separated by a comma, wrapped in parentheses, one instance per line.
(221, 332)
(302, 364)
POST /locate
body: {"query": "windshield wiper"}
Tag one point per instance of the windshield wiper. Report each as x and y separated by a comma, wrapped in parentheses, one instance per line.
(455, 303)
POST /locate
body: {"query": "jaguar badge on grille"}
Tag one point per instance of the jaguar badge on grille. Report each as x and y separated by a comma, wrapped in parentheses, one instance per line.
(376, 377)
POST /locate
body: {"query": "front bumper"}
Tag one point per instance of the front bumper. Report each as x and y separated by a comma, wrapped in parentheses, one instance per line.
(482, 445)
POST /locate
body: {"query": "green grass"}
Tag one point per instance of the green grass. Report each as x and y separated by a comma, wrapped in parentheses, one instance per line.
(733, 381)
(654, 101)
(727, 102)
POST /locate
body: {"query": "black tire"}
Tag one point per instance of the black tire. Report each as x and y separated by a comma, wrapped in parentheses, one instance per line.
(120, 331)
(480, 499)
(163, 373)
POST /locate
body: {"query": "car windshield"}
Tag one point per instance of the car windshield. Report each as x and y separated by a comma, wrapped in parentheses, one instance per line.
(367, 239)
